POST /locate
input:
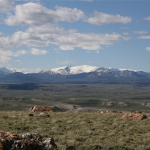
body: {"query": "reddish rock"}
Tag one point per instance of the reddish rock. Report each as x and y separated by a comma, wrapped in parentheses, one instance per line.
(27, 141)
(137, 116)
(42, 108)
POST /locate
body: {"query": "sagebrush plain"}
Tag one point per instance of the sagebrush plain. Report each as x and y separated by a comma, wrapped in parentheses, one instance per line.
(77, 120)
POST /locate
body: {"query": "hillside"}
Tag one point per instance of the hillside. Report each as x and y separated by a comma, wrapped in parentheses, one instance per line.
(84, 131)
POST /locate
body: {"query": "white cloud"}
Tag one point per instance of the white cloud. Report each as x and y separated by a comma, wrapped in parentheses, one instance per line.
(148, 48)
(42, 32)
(66, 40)
(140, 32)
(36, 14)
(144, 37)
(68, 14)
(6, 5)
(21, 52)
(35, 51)
(100, 18)
(32, 14)
(148, 18)
(89, 41)
(6, 55)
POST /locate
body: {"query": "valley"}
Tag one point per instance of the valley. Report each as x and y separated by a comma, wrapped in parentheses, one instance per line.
(75, 97)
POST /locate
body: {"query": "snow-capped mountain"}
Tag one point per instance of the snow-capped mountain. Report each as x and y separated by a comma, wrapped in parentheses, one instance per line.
(70, 70)
(75, 70)
(78, 74)
(5, 71)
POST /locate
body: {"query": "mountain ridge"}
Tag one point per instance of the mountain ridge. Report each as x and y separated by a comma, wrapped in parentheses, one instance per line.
(78, 74)
(69, 70)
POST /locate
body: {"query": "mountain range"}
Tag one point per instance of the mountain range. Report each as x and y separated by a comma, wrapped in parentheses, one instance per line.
(78, 74)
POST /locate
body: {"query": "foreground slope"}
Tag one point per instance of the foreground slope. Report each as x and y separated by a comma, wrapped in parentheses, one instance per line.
(83, 130)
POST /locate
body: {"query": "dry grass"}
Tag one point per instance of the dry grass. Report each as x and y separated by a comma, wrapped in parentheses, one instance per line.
(82, 130)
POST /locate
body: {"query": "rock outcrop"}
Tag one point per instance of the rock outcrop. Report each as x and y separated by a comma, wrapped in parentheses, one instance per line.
(27, 141)
(42, 108)
(138, 116)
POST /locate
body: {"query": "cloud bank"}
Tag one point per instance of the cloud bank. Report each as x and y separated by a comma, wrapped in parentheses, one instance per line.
(43, 29)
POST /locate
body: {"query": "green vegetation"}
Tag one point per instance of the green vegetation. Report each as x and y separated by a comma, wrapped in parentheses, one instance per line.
(97, 96)
(83, 130)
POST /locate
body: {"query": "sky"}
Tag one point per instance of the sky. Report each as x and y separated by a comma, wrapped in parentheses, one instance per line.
(44, 34)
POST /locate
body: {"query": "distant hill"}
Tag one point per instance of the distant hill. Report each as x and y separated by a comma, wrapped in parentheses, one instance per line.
(78, 74)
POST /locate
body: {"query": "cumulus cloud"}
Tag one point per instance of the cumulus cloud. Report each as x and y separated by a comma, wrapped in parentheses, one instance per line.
(100, 18)
(36, 14)
(6, 55)
(35, 51)
(66, 40)
(140, 32)
(6, 5)
(90, 41)
(68, 14)
(43, 30)
(21, 52)
(32, 14)
(148, 48)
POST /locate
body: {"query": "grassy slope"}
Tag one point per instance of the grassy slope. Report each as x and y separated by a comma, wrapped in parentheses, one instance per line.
(82, 130)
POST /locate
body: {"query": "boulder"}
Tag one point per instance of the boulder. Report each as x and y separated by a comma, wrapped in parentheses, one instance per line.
(43, 114)
(50, 144)
(137, 116)
(113, 111)
(102, 112)
(42, 108)
(26, 141)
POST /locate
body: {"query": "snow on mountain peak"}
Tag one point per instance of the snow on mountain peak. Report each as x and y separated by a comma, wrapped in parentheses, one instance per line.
(74, 69)
(121, 69)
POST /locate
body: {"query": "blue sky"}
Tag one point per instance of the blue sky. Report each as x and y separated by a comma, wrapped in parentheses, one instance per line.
(45, 34)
